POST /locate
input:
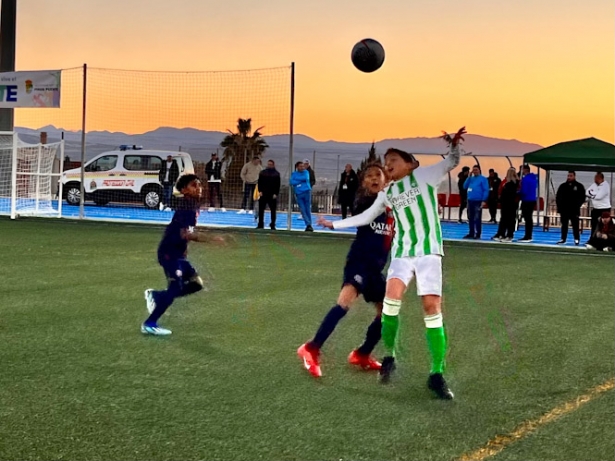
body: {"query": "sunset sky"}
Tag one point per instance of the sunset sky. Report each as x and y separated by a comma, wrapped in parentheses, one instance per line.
(539, 71)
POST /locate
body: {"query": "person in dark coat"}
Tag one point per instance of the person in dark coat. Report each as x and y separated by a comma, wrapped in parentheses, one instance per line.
(268, 189)
(463, 193)
(569, 198)
(349, 182)
(492, 200)
(168, 176)
(509, 205)
(213, 170)
(603, 235)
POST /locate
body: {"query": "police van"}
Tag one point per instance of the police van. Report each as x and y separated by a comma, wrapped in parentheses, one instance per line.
(128, 174)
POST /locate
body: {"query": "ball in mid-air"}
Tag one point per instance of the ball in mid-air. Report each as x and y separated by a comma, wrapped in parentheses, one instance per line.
(367, 55)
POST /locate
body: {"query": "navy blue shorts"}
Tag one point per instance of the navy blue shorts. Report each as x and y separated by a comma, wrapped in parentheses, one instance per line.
(178, 269)
(369, 283)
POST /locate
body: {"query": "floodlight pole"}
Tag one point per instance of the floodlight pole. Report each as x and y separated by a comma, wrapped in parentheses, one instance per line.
(8, 19)
(289, 217)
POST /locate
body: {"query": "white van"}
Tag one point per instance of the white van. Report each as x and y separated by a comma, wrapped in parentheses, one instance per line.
(125, 175)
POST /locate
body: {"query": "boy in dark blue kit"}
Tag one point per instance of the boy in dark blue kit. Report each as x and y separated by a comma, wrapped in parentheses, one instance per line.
(365, 262)
(183, 279)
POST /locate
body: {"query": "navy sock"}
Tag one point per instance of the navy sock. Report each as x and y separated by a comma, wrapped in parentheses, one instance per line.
(163, 300)
(373, 335)
(328, 325)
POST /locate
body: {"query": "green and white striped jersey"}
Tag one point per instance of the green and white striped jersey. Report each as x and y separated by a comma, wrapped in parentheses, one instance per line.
(414, 203)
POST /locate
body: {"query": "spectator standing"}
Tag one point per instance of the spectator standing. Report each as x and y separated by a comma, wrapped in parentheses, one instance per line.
(349, 182)
(300, 180)
(477, 188)
(269, 189)
(249, 175)
(569, 198)
(603, 236)
(492, 201)
(529, 186)
(509, 203)
(599, 194)
(463, 194)
(213, 171)
(168, 176)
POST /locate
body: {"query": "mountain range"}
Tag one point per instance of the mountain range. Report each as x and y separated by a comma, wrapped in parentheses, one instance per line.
(201, 143)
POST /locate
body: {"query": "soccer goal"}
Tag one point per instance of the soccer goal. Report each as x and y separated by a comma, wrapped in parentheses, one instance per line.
(29, 177)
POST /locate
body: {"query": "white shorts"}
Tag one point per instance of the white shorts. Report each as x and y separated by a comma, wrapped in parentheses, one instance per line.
(426, 269)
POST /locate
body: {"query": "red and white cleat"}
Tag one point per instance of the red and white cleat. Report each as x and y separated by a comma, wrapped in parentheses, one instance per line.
(367, 362)
(311, 360)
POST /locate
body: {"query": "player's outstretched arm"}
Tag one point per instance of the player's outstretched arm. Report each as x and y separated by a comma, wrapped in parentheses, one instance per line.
(435, 173)
(202, 236)
(362, 219)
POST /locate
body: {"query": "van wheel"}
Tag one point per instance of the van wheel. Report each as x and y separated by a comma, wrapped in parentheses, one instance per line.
(72, 193)
(152, 197)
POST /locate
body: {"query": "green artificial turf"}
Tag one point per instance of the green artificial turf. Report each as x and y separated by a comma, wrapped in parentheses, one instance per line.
(528, 331)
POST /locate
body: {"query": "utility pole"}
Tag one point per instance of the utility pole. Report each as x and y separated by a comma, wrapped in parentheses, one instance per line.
(8, 19)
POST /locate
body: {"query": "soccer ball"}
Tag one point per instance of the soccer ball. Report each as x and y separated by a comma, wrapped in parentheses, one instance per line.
(367, 55)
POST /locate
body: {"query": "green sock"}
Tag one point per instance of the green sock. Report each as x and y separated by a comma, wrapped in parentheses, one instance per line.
(436, 341)
(390, 325)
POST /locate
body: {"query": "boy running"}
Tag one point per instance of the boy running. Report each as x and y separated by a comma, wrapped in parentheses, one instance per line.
(182, 277)
(417, 252)
(365, 262)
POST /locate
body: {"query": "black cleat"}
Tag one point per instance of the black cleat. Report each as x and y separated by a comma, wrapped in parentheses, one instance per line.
(437, 384)
(388, 366)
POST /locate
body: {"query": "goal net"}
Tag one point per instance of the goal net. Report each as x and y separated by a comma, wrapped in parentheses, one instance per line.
(135, 120)
(29, 177)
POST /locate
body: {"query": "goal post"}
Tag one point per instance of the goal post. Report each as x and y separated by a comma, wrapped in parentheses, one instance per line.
(30, 177)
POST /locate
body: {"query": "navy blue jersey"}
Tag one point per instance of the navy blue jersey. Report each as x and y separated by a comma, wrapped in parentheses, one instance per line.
(173, 246)
(372, 243)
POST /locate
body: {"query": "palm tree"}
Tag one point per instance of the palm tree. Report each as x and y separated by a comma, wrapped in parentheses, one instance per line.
(240, 147)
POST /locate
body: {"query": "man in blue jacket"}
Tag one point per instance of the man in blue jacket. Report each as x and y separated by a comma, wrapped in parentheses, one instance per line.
(529, 186)
(300, 180)
(478, 192)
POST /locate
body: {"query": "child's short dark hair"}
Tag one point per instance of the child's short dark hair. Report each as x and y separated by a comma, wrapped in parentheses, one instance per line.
(408, 158)
(183, 182)
(297, 164)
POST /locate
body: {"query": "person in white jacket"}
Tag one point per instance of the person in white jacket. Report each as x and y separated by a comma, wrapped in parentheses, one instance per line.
(600, 195)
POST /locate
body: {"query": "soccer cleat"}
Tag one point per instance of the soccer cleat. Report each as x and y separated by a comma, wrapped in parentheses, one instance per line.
(497, 238)
(386, 369)
(311, 360)
(524, 240)
(506, 240)
(590, 247)
(150, 302)
(367, 362)
(438, 385)
(154, 330)
(561, 242)
(309, 229)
